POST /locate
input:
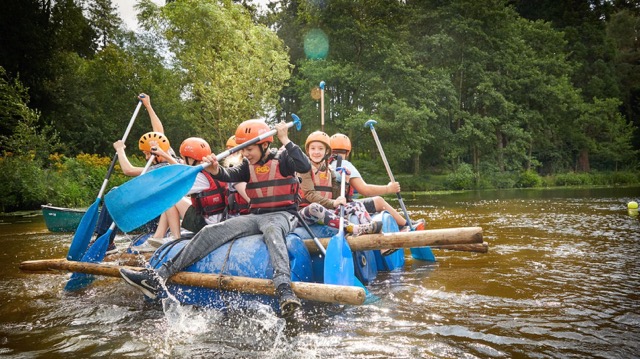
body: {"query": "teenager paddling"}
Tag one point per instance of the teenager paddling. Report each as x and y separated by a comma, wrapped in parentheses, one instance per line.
(272, 186)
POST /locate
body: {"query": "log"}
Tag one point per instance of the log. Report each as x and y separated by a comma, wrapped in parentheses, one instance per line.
(326, 293)
(426, 238)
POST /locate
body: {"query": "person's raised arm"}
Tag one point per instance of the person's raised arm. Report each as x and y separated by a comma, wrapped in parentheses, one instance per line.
(155, 120)
(126, 166)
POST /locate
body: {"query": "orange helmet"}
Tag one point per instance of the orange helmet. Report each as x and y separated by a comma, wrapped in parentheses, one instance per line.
(158, 137)
(195, 147)
(251, 129)
(318, 136)
(231, 142)
(340, 142)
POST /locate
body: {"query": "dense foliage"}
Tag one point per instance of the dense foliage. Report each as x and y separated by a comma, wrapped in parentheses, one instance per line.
(466, 94)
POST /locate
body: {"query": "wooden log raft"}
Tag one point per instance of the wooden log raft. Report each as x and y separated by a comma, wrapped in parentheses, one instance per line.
(326, 293)
(447, 238)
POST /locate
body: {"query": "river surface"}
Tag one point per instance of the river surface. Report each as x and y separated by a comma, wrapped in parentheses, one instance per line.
(561, 280)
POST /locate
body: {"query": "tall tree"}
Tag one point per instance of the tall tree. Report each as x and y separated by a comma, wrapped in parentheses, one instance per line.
(233, 69)
(105, 21)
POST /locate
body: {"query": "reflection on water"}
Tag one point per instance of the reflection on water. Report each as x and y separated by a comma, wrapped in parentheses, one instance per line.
(560, 281)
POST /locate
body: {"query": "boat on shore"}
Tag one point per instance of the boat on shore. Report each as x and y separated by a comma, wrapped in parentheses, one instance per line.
(60, 219)
(241, 268)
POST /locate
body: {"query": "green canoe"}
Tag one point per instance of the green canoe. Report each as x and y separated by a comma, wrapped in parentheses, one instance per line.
(60, 219)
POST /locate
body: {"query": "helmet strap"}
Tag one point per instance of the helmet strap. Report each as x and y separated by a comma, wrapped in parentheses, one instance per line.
(263, 152)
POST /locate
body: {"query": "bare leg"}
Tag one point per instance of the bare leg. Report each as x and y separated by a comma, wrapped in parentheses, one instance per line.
(382, 205)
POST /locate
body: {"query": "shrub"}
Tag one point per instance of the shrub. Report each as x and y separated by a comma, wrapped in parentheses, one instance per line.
(23, 184)
(462, 178)
(529, 179)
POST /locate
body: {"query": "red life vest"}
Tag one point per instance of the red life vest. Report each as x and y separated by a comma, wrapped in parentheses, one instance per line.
(322, 184)
(236, 204)
(268, 188)
(213, 199)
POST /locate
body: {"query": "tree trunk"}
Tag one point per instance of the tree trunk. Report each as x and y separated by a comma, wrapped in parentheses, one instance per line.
(500, 150)
(416, 164)
(583, 161)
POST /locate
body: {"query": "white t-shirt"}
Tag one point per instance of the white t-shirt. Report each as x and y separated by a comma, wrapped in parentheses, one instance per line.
(349, 167)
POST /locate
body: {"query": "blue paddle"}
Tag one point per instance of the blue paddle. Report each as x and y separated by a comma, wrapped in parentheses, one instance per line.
(421, 253)
(146, 197)
(84, 232)
(338, 262)
(96, 253)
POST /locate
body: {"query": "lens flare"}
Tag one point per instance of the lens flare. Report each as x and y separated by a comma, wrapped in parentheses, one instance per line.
(316, 44)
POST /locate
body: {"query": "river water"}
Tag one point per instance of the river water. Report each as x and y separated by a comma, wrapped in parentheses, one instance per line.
(560, 281)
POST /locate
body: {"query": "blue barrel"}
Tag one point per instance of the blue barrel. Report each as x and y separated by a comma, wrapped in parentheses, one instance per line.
(246, 257)
(396, 259)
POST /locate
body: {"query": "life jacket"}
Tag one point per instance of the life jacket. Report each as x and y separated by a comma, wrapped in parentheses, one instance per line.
(269, 190)
(322, 184)
(213, 199)
(236, 204)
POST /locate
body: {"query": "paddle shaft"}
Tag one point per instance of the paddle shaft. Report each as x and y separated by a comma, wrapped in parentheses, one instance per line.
(343, 179)
(115, 156)
(386, 165)
(316, 241)
(222, 155)
(309, 291)
(85, 229)
(322, 106)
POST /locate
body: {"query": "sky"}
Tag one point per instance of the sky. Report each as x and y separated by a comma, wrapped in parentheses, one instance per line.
(128, 15)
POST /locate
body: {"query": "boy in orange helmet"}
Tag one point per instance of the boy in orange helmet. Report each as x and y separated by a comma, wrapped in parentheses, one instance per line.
(272, 185)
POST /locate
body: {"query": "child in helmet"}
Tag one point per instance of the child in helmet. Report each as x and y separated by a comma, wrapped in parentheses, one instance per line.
(208, 196)
(157, 144)
(272, 185)
(341, 144)
(317, 189)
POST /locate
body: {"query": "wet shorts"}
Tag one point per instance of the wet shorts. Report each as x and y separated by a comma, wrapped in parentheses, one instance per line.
(192, 221)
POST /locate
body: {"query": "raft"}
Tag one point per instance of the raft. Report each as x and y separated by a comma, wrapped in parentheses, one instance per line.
(240, 271)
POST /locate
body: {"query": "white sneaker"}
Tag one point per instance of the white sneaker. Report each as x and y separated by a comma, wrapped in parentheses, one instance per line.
(144, 248)
(158, 242)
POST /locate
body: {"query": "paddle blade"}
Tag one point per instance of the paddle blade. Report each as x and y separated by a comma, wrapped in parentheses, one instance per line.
(79, 281)
(84, 232)
(94, 254)
(338, 263)
(147, 196)
(423, 254)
